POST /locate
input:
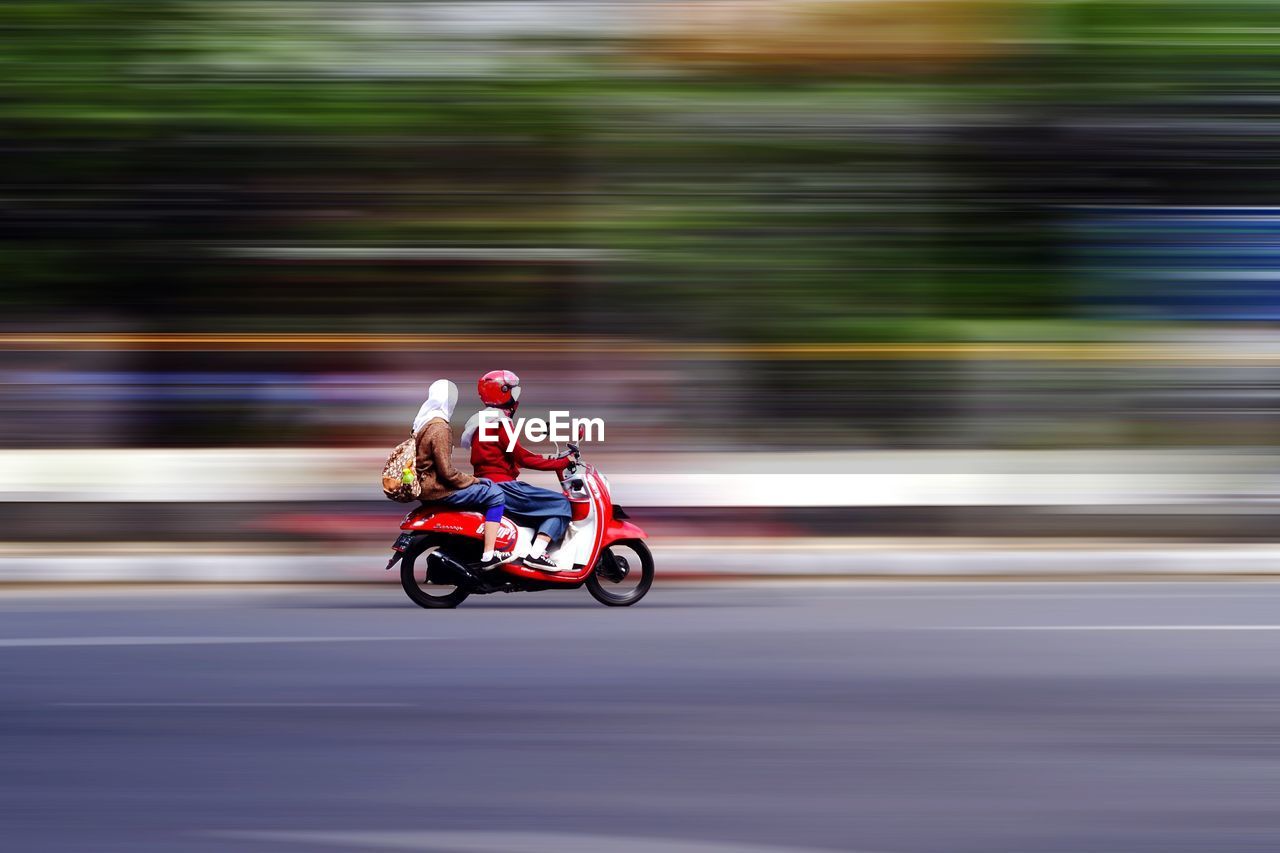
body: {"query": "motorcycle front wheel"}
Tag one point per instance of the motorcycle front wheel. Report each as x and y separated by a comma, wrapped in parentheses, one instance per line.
(418, 586)
(622, 575)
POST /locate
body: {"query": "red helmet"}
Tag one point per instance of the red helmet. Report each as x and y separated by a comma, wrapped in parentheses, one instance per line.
(499, 388)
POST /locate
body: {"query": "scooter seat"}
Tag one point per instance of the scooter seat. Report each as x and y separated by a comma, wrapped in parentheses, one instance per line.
(427, 508)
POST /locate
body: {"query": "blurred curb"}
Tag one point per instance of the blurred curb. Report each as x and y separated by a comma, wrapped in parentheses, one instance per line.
(677, 559)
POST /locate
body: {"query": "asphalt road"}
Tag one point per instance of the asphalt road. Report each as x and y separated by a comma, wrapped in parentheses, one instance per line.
(899, 718)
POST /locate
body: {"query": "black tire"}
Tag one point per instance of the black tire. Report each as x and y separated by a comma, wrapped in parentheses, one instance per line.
(421, 593)
(599, 588)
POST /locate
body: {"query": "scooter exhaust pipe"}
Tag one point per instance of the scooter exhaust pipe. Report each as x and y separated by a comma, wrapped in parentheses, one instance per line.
(443, 569)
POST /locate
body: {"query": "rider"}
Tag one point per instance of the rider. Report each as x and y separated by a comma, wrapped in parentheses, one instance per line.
(444, 484)
(543, 509)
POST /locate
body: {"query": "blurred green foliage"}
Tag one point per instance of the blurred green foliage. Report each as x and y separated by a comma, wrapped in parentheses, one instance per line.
(149, 143)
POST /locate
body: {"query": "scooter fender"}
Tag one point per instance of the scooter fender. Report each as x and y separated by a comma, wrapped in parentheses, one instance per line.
(402, 543)
(618, 530)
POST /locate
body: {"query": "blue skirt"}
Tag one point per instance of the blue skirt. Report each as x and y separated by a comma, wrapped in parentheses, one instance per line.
(529, 506)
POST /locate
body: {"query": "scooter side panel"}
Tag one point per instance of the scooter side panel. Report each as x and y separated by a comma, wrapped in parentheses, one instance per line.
(470, 524)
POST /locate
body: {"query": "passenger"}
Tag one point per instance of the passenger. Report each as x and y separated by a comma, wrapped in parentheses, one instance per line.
(442, 484)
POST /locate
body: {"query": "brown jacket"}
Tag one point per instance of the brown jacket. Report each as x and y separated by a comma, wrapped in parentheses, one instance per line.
(435, 463)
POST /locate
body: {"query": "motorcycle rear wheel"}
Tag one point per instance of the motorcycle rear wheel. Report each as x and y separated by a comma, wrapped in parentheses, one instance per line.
(616, 593)
(424, 593)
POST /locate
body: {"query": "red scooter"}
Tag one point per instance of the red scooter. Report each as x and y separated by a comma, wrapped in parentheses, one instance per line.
(602, 550)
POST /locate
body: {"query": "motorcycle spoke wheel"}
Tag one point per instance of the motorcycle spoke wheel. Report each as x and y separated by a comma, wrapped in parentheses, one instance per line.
(414, 578)
(622, 574)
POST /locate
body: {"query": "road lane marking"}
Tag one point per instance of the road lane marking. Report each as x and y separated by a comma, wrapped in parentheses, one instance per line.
(1106, 628)
(481, 841)
(1013, 596)
(51, 642)
(232, 705)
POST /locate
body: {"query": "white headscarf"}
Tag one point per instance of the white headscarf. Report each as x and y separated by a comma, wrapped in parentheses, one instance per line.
(441, 399)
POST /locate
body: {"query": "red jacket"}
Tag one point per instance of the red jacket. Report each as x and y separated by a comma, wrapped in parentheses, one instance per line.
(491, 459)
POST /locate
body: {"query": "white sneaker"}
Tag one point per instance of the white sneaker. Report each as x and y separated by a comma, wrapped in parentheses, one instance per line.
(498, 558)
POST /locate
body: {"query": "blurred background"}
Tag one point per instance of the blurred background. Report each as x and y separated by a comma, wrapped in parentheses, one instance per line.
(947, 291)
(971, 270)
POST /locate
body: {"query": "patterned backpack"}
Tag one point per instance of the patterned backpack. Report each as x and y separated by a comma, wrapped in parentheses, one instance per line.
(400, 480)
